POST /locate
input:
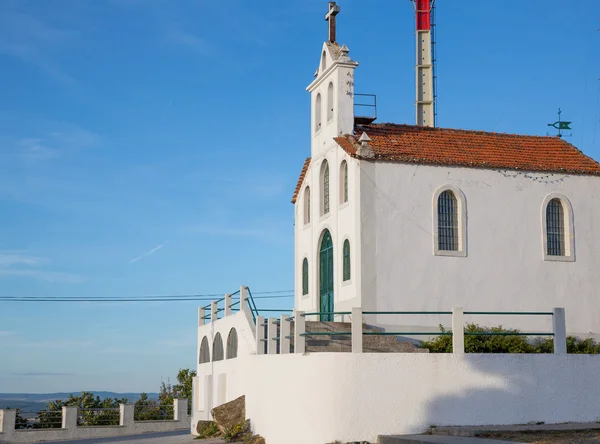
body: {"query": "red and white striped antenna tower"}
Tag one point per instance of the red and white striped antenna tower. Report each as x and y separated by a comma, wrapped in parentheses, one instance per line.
(425, 69)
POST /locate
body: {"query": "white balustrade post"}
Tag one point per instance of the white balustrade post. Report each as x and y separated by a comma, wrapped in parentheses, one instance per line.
(180, 409)
(357, 330)
(284, 334)
(559, 327)
(8, 419)
(260, 335)
(214, 313)
(272, 336)
(69, 417)
(458, 330)
(127, 415)
(227, 305)
(299, 330)
(243, 297)
(201, 316)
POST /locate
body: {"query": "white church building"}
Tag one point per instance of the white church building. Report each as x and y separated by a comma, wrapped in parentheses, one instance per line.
(392, 220)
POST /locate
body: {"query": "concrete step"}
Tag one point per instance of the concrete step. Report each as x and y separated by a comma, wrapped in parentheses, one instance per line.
(343, 343)
(428, 439)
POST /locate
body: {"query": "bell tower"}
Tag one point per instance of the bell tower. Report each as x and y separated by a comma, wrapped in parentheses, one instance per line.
(332, 91)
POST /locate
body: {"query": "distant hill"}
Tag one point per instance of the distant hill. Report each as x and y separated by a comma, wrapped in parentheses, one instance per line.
(34, 402)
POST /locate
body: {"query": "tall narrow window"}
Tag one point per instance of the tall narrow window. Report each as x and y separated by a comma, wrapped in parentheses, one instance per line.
(307, 206)
(318, 113)
(346, 271)
(324, 188)
(344, 182)
(323, 61)
(204, 351)
(218, 348)
(330, 102)
(447, 222)
(555, 228)
(232, 344)
(304, 277)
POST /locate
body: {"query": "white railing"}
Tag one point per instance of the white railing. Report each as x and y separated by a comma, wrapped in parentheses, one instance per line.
(280, 343)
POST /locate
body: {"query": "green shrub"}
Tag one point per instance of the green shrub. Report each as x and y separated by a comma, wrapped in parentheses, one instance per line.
(507, 343)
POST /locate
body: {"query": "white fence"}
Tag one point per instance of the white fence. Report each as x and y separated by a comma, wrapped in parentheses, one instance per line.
(280, 343)
(70, 430)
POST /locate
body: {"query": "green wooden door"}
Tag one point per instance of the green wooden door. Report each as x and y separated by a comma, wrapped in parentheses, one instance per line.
(326, 277)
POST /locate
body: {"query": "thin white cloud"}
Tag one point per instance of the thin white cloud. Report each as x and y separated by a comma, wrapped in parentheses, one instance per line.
(150, 253)
(41, 275)
(186, 39)
(6, 333)
(9, 259)
(35, 149)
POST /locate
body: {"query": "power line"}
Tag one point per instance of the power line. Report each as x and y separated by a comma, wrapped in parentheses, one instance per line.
(163, 298)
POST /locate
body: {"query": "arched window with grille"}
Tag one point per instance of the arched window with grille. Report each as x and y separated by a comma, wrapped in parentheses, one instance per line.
(204, 351)
(218, 348)
(557, 226)
(346, 265)
(232, 344)
(343, 182)
(450, 222)
(305, 277)
(306, 205)
(324, 188)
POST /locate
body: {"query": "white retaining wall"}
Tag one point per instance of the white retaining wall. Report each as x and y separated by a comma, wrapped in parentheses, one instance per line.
(70, 430)
(322, 397)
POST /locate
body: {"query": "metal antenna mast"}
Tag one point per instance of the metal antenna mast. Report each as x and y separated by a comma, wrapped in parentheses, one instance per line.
(425, 68)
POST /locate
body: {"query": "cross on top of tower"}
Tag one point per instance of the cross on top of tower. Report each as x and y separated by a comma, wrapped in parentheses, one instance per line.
(334, 10)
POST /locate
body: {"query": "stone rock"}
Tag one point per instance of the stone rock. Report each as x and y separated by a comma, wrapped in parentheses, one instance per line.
(256, 439)
(230, 414)
(203, 426)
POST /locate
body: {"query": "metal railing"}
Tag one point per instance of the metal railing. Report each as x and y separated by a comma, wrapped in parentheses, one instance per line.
(98, 417)
(153, 412)
(44, 419)
(273, 336)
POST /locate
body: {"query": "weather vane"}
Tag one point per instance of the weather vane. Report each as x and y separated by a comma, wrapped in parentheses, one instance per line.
(560, 125)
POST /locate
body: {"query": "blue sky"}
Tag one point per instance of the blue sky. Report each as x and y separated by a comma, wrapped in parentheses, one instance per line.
(128, 126)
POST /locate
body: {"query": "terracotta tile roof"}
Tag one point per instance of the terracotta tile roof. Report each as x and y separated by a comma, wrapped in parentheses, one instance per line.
(473, 149)
(301, 179)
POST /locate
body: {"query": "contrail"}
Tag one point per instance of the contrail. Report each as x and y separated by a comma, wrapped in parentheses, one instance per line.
(150, 253)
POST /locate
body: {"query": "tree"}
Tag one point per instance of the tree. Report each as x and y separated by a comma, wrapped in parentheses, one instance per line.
(147, 409)
(92, 411)
(182, 390)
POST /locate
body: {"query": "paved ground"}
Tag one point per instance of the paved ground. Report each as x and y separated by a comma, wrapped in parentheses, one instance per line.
(148, 438)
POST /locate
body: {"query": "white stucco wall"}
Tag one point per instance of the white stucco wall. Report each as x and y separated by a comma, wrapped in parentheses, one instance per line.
(217, 382)
(355, 397)
(504, 269)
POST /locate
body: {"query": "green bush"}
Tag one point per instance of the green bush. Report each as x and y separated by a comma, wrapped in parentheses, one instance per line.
(507, 343)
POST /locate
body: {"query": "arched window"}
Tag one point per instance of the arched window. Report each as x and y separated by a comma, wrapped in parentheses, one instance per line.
(450, 222)
(218, 348)
(304, 277)
(204, 351)
(346, 268)
(232, 344)
(447, 222)
(324, 188)
(306, 205)
(323, 61)
(318, 113)
(330, 101)
(559, 239)
(344, 182)
(555, 228)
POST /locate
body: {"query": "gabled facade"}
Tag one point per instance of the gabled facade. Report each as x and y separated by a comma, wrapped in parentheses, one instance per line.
(397, 217)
